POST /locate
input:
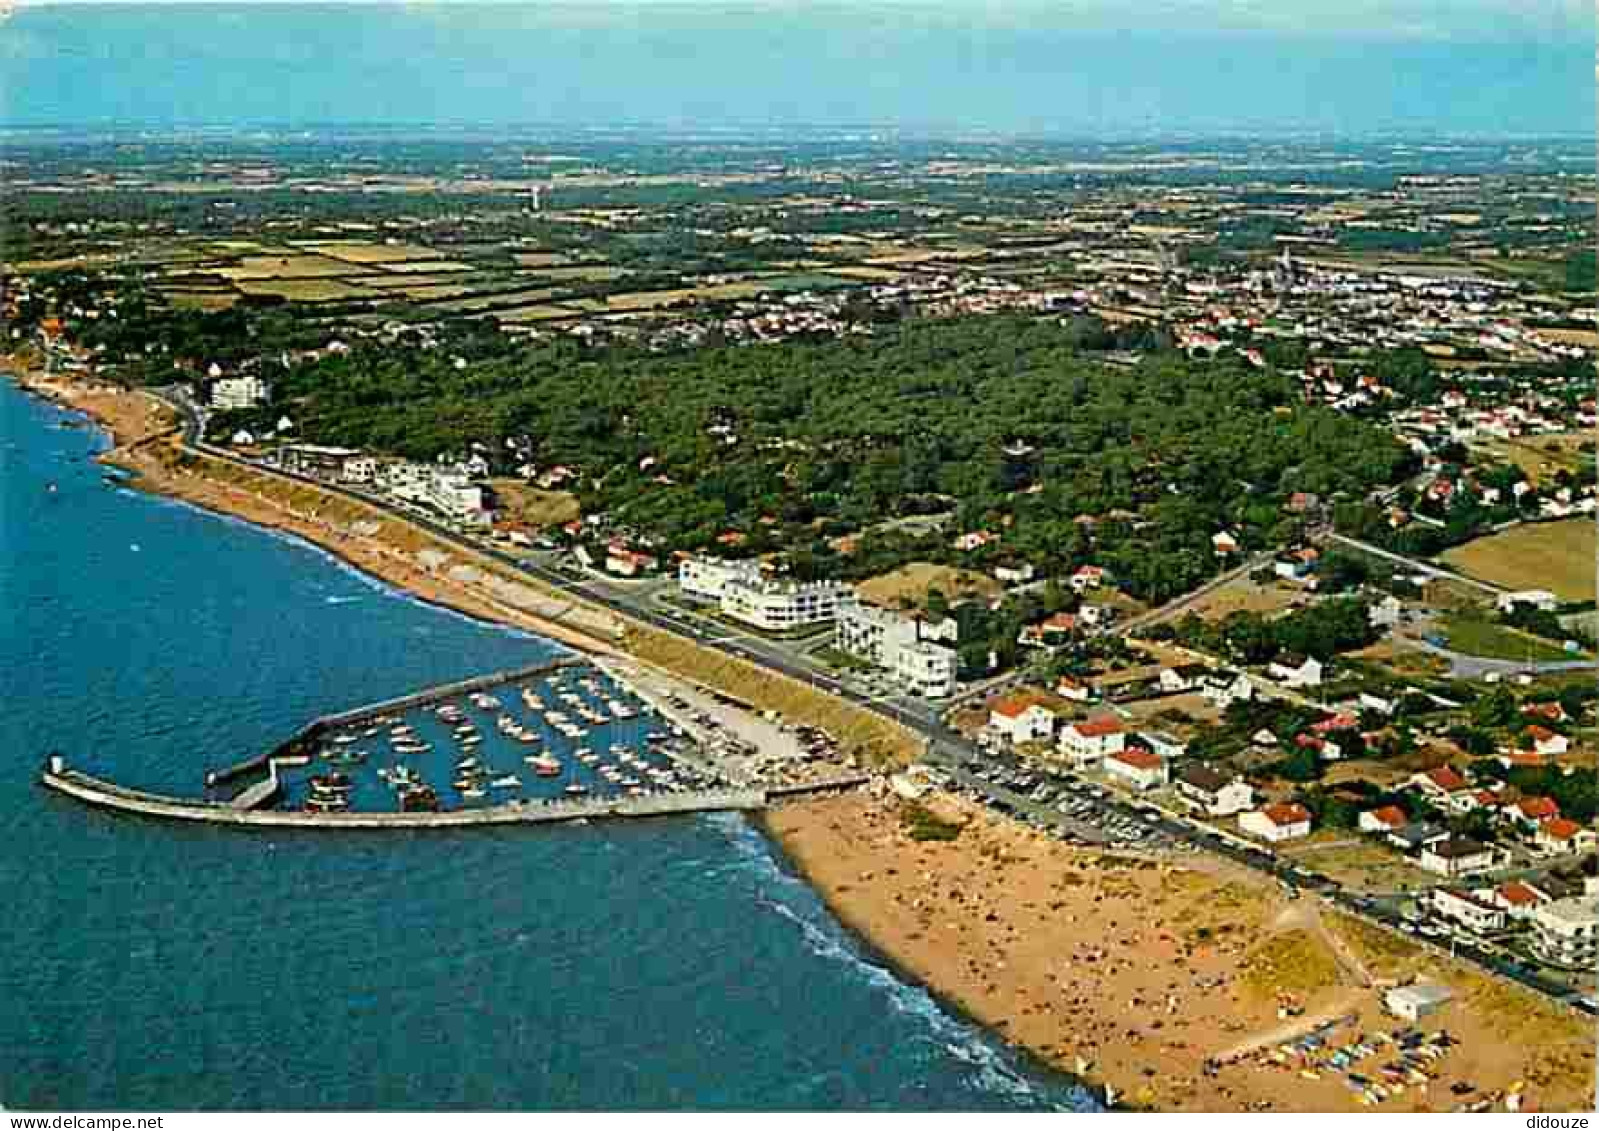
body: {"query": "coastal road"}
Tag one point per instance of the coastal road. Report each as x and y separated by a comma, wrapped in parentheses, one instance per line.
(944, 746)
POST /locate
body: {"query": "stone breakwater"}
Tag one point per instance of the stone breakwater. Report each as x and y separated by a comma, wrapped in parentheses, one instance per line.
(57, 776)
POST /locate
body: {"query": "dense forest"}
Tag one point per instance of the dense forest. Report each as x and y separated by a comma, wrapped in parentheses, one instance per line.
(1003, 424)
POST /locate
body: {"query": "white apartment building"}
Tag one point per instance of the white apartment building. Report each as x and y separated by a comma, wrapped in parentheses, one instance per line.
(447, 490)
(777, 606)
(244, 391)
(1566, 932)
(710, 577)
(903, 645)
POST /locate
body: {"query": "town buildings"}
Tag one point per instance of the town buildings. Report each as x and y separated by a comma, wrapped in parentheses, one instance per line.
(912, 650)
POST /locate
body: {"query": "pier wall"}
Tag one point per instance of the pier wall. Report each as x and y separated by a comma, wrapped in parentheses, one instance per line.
(108, 795)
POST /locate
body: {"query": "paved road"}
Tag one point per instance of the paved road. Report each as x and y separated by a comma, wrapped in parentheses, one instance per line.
(944, 747)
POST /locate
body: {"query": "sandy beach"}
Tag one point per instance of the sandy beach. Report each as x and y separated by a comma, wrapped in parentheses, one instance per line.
(1135, 971)
(1132, 972)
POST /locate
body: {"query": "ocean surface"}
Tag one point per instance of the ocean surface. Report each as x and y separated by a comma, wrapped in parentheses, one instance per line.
(673, 963)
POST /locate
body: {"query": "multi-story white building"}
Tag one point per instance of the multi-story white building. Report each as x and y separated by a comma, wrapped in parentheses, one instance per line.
(1566, 932)
(448, 490)
(244, 391)
(777, 606)
(905, 646)
(709, 577)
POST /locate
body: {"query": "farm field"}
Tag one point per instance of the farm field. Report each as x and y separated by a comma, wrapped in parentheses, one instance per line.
(1541, 456)
(1557, 556)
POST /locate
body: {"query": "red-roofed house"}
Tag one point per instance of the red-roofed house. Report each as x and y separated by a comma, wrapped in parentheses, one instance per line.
(1051, 633)
(1086, 744)
(1558, 836)
(1533, 811)
(1277, 822)
(1021, 718)
(1136, 766)
(1546, 742)
(1516, 898)
(1551, 711)
(1384, 820)
(1440, 782)
(1341, 721)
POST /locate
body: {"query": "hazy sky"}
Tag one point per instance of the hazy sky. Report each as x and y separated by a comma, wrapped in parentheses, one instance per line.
(1069, 66)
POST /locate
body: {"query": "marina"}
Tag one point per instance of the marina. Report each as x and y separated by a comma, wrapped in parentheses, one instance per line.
(563, 741)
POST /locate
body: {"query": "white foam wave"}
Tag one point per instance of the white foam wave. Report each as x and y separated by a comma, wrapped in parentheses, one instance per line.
(791, 899)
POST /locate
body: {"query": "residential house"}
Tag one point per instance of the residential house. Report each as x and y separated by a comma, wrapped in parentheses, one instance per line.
(1387, 819)
(1296, 565)
(1467, 909)
(1086, 744)
(1540, 599)
(1516, 899)
(1438, 783)
(1566, 932)
(627, 562)
(1376, 703)
(1542, 740)
(1417, 835)
(1530, 812)
(1168, 746)
(1139, 768)
(1183, 677)
(1021, 718)
(1385, 613)
(244, 391)
(1283, 821)
(1070, 687)
(1088, 577)
(1049, 634)
(1456, 856)
(1224, 543)
(1560, 836)
(1226, 687)
(1213, 793)
(1293, 670)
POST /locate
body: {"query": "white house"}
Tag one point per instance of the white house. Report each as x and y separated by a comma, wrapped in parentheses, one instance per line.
(1566, 932)
(1168, 746)
(1226, 687)
(1213, 793)
(1086, 744)
(1385, 613)
(244, 391)
(1021, 718)
(1295, 671)
(1284, 821)
(1387, 819)
(1540, 599)
(1546, 741)
(1456, 856)
(1183, 677)
(1465, 908)
(1561, 836)
(1416, 1002)
(1136, 766)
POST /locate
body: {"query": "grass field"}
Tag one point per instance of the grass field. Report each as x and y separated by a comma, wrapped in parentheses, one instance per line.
(1557, 556)
(911, 582)
(523, 503)
(1476, 636)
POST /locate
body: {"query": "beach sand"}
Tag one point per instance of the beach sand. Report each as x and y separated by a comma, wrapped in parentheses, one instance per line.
(1133, 971)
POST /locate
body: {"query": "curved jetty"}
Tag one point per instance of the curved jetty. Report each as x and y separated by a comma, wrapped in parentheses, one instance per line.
(108, 795)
